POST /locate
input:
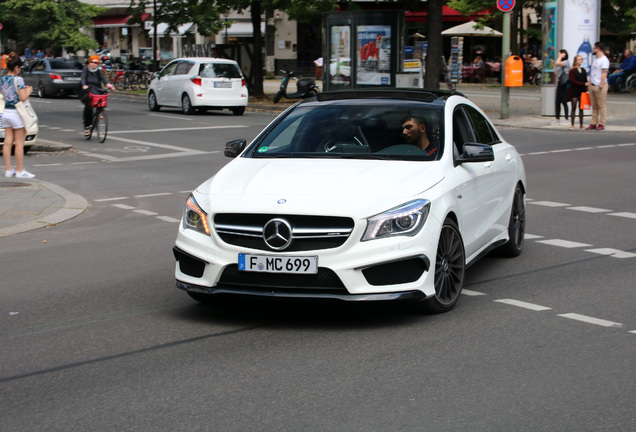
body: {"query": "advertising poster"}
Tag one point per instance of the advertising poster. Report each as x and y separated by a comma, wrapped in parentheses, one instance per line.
(340, 61)
(580, 29)
(550, 49)
(374, 55)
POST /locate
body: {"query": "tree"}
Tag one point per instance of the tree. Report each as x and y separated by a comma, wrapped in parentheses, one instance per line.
(54, 24)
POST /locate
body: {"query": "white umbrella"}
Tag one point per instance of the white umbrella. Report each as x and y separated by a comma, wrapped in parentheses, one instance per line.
(469, 29)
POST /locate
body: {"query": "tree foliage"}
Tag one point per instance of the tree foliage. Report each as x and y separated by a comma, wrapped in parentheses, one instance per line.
(50, 24)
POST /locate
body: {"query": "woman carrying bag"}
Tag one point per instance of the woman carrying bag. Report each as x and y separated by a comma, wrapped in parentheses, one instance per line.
(578, 78)
(14, 91)
(92, 80)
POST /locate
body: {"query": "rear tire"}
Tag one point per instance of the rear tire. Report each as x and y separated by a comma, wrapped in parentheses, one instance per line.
(516, 226)
(238, 110)
(186, 104)
(41, 91)
(450, 266)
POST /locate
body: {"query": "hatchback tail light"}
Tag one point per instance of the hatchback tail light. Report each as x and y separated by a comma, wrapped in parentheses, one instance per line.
(196, 80)
(243, 82)
(56, 76)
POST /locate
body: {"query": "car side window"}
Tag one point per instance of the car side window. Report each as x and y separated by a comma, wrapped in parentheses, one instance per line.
(183, 68)
(483, 130)
(40, 66)
(461, 131)
(169, 70)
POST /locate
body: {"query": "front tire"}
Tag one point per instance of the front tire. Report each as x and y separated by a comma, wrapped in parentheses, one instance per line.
(101, 128)
(186, 104)
(516, 225)
(450, 266)
(277, 97)
(152, 102)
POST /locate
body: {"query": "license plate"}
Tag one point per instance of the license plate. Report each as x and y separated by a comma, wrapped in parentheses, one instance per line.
(278, 264)
(73, 79)
(222, 84)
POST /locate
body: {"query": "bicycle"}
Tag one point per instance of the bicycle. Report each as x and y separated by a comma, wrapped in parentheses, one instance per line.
(100, 120)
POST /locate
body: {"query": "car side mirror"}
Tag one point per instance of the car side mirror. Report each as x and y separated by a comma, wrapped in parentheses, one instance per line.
(475, 152)
(235, 148)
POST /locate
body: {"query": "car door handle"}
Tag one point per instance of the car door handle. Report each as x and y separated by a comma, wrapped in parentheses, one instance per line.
(487, 164)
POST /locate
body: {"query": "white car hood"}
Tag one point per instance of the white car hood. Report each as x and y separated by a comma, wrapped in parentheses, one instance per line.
(315, 186)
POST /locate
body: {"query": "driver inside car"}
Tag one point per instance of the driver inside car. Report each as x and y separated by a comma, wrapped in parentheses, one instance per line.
(414, 132)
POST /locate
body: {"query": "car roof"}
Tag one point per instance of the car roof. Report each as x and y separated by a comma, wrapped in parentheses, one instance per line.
(207, 59)
(423, 95)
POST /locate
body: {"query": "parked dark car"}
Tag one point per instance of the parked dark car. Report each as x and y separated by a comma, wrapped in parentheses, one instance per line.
(54, 76)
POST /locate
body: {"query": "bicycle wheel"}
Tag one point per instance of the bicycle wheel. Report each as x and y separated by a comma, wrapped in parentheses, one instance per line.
(90, 132)
(131, 81)
(120, 82)
(143, 81)
(101, 124)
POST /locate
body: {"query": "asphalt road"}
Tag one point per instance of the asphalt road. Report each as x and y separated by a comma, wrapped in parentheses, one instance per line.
(95, 337)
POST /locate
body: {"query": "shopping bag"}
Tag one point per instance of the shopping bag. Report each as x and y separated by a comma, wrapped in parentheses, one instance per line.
(585, 101)
(26, 111)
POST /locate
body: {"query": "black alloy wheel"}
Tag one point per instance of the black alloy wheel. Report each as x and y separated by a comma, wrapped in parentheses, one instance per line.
(516, 225)
(450, 266)
(41, 91)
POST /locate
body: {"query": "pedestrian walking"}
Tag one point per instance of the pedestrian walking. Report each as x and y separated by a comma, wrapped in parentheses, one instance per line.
(597, 86)
(14, 130)
(578, 81)
(28, 52)
(562, 68)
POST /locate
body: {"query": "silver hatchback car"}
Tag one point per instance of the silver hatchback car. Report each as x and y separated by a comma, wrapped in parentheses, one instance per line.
(199, 83)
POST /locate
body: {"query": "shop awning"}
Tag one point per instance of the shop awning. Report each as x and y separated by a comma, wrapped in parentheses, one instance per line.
(162, 28)
(242, 29)
(116, 21)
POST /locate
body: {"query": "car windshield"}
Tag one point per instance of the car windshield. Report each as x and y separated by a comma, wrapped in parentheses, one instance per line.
(361, 129)
(219, 70)
(65, 64)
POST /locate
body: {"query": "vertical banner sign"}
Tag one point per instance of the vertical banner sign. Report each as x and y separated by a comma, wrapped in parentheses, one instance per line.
(580, 28)
(340, 61)
(549, 29)
(374, 54)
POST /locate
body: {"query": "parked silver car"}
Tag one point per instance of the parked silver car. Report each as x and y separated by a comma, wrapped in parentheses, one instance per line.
(53, 76)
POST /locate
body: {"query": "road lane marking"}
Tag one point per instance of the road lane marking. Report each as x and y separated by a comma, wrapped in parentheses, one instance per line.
(589, 209)
(153, 195)
(472, 293)
(172, 117)
(549, 204)
(146, 212)
(124, 206)
(175, 129)
(111, 199)
(624, 214)
(614, 253)
(532, 236)
(168, 219)
(521, 304)
(591, 320)
(564, 243)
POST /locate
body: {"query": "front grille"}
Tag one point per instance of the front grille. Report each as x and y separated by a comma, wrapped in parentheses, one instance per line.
(309, 232)
(324, 282)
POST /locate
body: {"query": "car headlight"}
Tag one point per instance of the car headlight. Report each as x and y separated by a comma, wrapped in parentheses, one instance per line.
(404, 220)
(194, 217)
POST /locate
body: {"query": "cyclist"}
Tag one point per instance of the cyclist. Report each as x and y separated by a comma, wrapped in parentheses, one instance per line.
(92, 80)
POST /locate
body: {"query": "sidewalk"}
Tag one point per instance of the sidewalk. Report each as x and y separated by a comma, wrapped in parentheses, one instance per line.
(29, 204)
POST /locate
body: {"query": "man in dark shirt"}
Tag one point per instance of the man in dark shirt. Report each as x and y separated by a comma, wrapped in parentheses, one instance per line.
(414, 132)
(624, 70)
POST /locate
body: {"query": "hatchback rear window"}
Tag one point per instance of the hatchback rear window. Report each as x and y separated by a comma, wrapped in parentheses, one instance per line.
(219, 70)
(58, 64)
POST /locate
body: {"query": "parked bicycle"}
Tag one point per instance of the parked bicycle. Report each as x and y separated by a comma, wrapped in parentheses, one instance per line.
(100, 120)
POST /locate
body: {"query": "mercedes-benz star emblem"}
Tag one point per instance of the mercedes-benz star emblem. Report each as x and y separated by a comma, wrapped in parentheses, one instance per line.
(277, 234)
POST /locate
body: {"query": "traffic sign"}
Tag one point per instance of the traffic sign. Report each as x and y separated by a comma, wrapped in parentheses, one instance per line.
(505, 5)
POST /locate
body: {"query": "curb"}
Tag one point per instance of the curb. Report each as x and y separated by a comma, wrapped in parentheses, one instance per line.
(74, 205)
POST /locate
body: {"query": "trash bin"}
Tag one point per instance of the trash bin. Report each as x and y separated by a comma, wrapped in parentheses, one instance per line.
(513, 73)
